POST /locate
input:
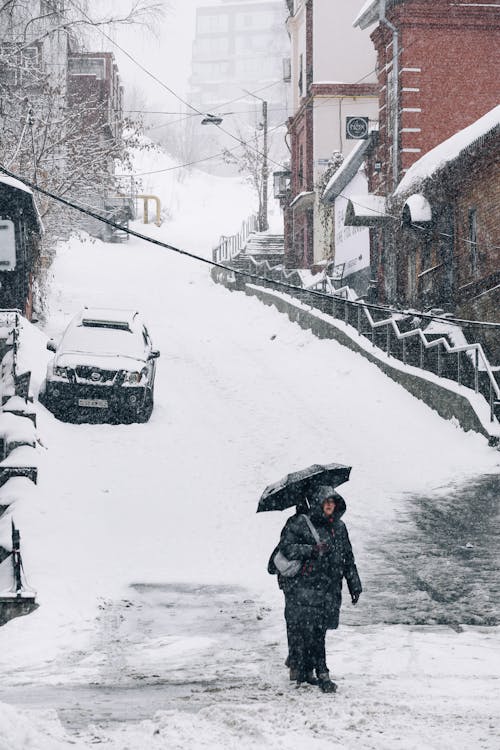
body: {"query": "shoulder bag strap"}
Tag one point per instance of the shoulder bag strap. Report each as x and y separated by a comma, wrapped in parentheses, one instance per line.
(312, 528)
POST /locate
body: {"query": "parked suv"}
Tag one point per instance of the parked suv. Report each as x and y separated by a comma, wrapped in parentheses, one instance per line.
(104, 367)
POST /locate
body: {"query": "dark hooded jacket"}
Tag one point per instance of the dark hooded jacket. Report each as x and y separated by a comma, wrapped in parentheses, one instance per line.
(315, 593)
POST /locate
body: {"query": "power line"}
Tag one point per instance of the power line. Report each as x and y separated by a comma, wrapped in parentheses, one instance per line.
(203, 159)
(249, 275)
(145, 70)
(171, 91)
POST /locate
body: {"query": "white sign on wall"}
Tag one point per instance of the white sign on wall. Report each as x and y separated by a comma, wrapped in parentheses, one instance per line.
(7, 246)
(352, 244)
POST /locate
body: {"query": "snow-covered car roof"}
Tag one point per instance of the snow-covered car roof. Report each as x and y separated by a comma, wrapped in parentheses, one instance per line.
(104, 332)
(109, 317)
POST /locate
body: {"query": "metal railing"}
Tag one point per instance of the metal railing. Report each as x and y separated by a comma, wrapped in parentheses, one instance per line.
(413, 347)
(229, 247)
(345, 308)
(10, 319)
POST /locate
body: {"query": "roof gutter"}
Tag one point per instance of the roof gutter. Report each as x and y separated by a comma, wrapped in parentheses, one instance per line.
(395, 89)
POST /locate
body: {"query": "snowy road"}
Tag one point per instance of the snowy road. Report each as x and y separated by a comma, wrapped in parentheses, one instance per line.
(150, 560)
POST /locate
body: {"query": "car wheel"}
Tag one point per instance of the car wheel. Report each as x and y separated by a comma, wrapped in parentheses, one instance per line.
(144, 412)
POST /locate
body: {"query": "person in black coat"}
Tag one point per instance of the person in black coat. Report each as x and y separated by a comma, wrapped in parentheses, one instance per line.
(313, 597)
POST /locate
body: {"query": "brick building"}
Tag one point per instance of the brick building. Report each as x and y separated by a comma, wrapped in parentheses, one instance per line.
(93, 77)
(46, 79)
(431, 54)
(438, 66)
(448, 242)
(93, 80)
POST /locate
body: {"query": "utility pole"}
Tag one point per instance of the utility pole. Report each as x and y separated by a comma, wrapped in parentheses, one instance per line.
(263, 222)
(265, 171)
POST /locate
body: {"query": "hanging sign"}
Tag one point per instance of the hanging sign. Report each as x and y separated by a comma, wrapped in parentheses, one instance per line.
(356, 128)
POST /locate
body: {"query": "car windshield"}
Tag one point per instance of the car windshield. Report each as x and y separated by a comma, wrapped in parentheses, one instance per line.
(105, 341)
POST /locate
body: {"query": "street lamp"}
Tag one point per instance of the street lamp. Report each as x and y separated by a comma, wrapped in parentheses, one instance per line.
(211, 120)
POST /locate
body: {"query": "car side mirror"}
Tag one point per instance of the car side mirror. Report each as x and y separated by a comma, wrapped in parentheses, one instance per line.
(51, 345)
(154, 354)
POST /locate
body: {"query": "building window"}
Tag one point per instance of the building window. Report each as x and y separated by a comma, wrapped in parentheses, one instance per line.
(301, 165)
(473, 240)
(212, 22)
(87, 66)
(19, 64)
(211, 46)
(300, 80)
(51, 6)
(257, 20)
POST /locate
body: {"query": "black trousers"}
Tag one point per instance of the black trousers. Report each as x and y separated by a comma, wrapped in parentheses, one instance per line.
(306, 641)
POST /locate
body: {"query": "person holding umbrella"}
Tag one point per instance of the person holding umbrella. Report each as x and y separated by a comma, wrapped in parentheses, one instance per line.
(320, 543)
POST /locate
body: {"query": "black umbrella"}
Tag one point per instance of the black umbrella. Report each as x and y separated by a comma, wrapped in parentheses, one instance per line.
(292, 489)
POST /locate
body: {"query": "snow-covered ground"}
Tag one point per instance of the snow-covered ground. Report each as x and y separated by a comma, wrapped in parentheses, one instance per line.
(158, 625)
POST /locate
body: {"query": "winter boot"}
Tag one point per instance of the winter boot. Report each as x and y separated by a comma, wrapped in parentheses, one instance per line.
(307, 677)
(325, 683)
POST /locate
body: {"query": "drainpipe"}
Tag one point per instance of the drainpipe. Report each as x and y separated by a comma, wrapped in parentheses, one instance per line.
(395, 93)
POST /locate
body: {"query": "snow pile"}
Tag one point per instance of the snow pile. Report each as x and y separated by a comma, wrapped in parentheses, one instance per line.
(33, 731)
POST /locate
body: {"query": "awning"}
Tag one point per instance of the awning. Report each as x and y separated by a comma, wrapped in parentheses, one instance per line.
(366, 211)
(417, 210)
(303, 201)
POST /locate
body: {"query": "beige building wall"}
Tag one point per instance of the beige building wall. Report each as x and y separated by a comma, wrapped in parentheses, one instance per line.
(296, 26)
(342, 54)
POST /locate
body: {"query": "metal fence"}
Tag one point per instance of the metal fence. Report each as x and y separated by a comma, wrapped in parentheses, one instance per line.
(229, 247)
(398, 335)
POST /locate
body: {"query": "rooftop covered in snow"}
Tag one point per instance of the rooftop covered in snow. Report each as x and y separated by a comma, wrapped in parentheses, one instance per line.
(12, 182)
(370, 13)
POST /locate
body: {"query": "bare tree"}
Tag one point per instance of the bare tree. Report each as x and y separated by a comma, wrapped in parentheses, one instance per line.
(249, 160)
(56, 133)
(46, 130)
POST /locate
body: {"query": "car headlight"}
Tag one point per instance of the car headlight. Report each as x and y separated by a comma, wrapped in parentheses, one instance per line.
(62, 372)
(135, 377)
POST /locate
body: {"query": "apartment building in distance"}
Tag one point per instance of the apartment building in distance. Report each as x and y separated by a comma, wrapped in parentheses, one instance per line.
(240, 46)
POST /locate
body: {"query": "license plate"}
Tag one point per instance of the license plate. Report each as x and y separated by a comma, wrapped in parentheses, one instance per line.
(93, 403)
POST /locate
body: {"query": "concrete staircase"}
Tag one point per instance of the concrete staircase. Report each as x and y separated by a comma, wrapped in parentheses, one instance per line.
(264, 246)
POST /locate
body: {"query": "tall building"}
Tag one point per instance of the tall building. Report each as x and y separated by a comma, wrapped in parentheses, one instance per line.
(240, 46)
